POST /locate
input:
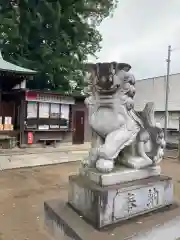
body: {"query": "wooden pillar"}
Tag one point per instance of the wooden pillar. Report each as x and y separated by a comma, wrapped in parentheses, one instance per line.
(1, 102)
(0, 97)
(22, 120)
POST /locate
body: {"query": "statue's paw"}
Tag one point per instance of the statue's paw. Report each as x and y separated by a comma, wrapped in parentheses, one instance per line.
(137, 162)
(85, 162)
(104, 166)
(158, 158)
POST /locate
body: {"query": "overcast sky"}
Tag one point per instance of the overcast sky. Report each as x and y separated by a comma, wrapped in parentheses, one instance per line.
(139, 33)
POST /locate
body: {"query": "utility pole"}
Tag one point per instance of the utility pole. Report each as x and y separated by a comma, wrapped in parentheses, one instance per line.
(179, 141)
(167, 92)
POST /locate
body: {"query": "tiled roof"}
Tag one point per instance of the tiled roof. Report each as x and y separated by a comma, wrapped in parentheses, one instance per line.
(10, 67)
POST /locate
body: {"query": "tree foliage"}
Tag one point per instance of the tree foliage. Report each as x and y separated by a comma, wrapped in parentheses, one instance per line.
(54, 37)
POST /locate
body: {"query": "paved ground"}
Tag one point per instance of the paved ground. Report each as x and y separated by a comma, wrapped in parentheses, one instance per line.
(170, 231)
(23, 192)
(62, 147)
(30, 157)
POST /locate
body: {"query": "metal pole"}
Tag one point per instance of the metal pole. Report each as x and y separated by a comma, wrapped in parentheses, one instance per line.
(167, 93)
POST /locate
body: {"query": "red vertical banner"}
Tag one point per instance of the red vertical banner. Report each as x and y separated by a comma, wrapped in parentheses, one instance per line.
(30, 137)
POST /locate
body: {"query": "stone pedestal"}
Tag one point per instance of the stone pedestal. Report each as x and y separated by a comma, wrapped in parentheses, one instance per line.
(103, 206)
(119, 175)
(63, 223)
(137, 142)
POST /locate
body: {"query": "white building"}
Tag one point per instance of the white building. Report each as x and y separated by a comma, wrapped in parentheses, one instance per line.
(154, 90)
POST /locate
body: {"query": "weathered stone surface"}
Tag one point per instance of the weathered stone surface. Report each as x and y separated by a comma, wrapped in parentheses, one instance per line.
(64, 224)
(104, 206)
(136, 140)
(119, 175)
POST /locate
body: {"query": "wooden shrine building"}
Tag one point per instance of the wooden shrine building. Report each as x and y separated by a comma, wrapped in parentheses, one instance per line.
(33, 117)
(11, 77)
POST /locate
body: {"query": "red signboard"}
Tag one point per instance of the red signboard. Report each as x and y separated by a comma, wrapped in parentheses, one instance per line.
(30, 95)
(48, 97)
(30, 138)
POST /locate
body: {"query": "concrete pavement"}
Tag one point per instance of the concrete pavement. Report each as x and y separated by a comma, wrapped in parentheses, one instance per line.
(168, 231)
(29, 157)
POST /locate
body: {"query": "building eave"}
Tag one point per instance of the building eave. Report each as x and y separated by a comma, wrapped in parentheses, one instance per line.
(10, 67)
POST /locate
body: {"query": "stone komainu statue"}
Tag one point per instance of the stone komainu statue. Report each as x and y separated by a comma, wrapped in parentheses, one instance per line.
(119, 135)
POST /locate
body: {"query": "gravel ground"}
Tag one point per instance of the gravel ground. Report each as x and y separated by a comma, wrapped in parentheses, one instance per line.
(23, 192)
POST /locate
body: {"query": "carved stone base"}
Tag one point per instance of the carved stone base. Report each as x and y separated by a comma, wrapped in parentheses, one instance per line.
(62, 222)
(104, 206)
(119, 175)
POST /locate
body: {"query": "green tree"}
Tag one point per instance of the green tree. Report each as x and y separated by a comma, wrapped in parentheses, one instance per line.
(54, 37)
